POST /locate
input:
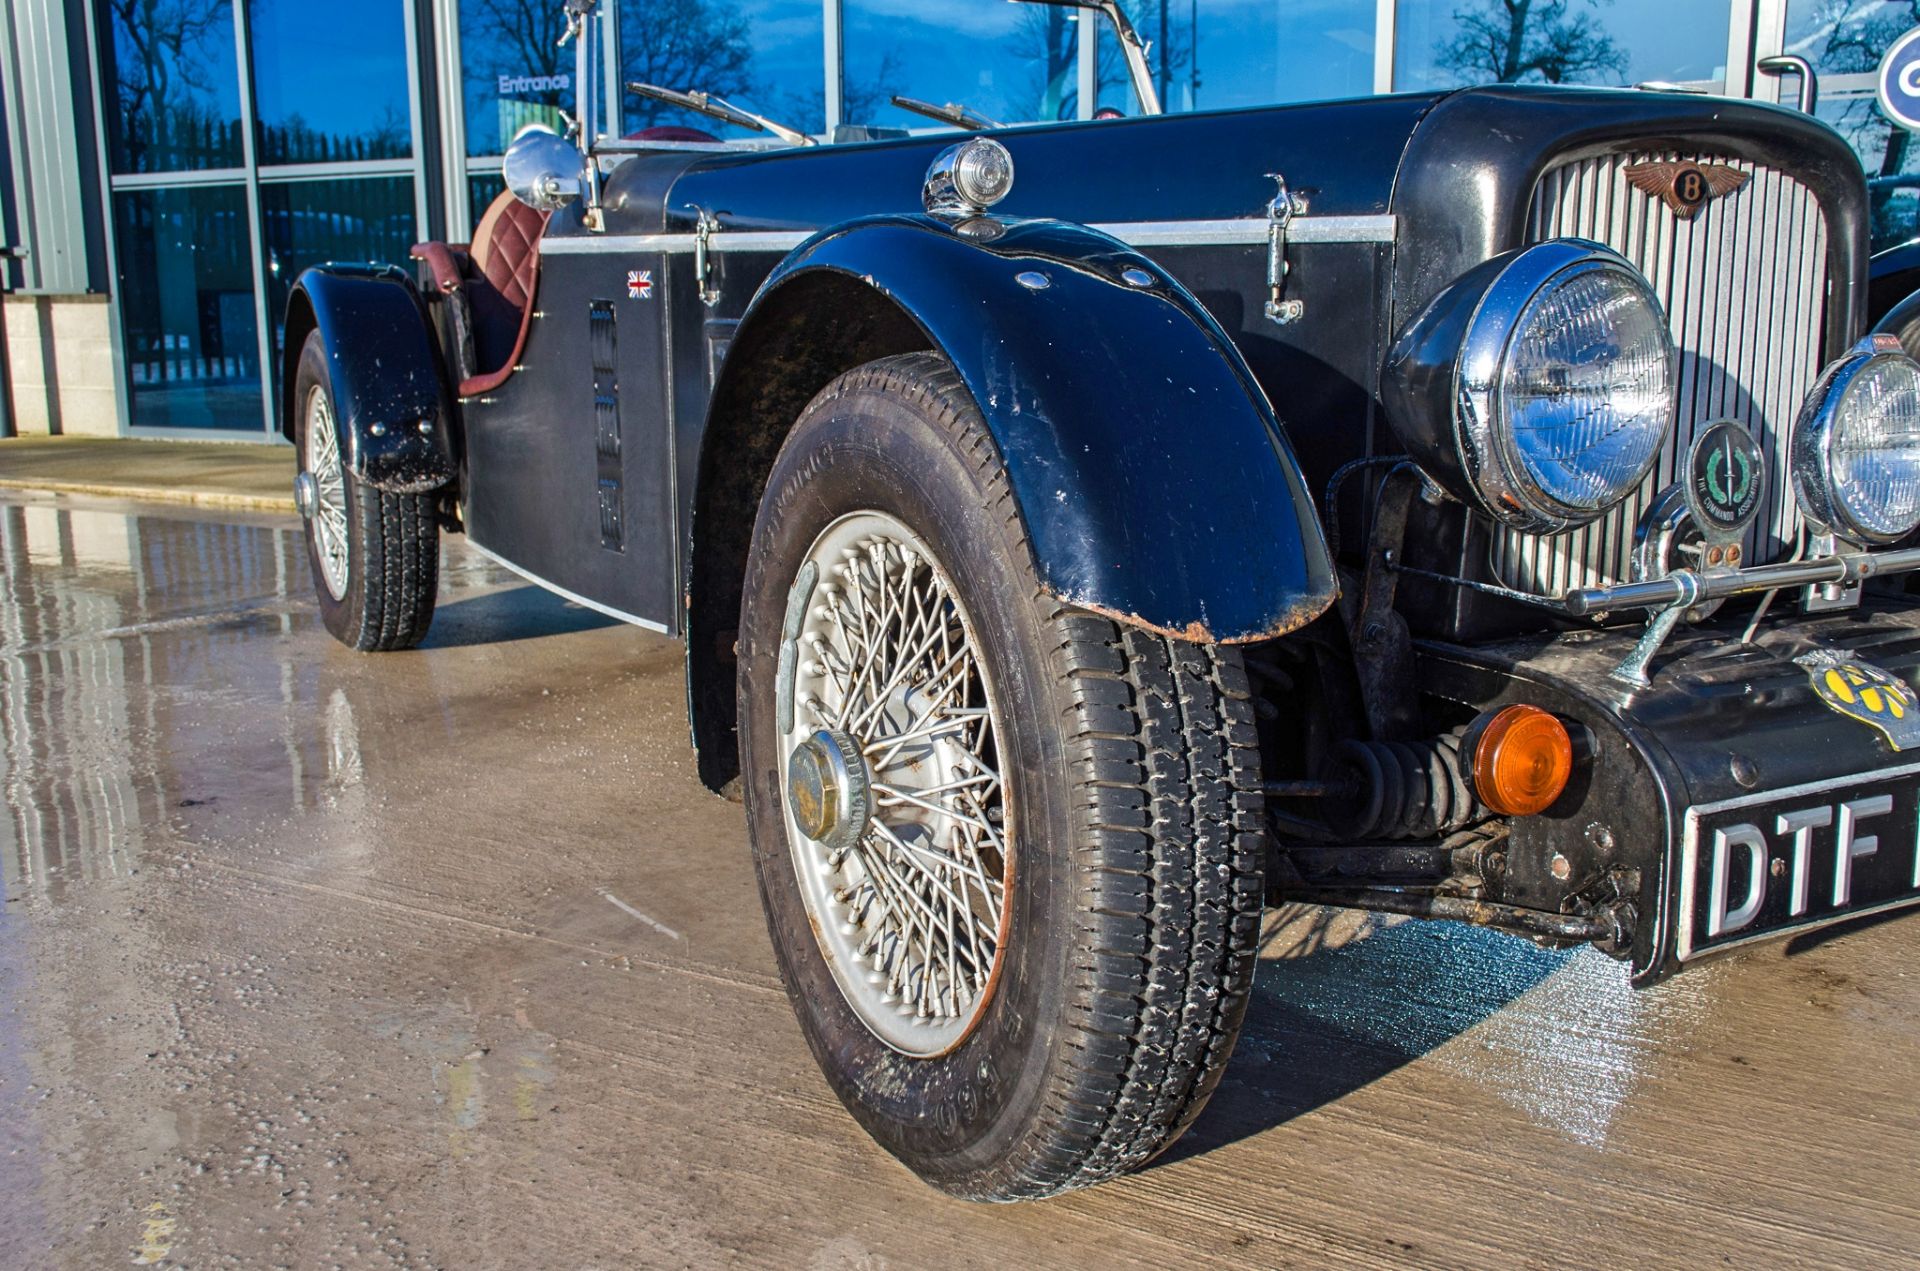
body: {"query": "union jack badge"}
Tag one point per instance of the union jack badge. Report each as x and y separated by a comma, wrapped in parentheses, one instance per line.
(639, 284)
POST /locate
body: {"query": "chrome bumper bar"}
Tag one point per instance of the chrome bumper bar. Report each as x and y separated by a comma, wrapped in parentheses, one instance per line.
(1685, 588)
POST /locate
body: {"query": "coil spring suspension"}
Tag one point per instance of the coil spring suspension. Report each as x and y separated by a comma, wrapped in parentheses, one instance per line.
(1403, 790)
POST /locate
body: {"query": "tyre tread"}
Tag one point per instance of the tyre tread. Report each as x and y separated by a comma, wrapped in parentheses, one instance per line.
(400, 538)
(1162, 745)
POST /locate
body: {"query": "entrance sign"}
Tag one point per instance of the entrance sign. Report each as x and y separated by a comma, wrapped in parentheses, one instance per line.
(1898, 86)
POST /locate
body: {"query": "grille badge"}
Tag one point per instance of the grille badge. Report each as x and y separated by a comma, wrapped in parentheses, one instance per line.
(1725, 467)
(1683, 186)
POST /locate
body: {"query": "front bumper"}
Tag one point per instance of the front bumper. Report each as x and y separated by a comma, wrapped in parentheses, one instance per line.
(1721, 723)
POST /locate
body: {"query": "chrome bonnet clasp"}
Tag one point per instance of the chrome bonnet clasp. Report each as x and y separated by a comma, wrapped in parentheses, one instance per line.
(1280, 213)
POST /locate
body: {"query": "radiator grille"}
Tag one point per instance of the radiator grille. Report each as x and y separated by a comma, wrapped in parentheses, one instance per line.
(1744, 285)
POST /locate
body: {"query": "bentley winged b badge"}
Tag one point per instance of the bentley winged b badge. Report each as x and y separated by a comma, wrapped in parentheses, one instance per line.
(1685, 186)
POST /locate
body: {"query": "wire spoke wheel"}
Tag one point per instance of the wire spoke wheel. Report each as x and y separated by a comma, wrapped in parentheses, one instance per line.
(1010, 850)
(897, 811)
(330, 493)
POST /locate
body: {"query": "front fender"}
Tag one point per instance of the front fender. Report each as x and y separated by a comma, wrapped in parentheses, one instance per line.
(1155, 484)
(1902, 321)
(386, 371)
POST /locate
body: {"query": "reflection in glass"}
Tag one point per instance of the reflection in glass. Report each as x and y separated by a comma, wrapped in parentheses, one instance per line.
(1011, 63)
(330, 80)
(307, 223)
(516, 72)
(764, 55)
(175, 92)
(483, 187)
(186, 303)
(1447, 43)
(1850, 39)
(1218, 54)
(125, 645)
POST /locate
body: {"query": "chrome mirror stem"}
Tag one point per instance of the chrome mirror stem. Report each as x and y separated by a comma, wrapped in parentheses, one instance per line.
(1132, 47)
(582, 26)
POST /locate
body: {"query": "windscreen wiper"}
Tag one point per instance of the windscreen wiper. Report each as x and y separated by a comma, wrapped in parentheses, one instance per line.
(951, 113)
(714, 108)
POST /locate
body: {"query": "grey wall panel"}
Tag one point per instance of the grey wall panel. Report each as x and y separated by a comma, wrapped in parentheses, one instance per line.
(47, 105)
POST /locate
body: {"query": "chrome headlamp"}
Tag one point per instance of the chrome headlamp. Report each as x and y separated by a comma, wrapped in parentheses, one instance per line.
(1538, 386)
(967, 178)
(1856, 445)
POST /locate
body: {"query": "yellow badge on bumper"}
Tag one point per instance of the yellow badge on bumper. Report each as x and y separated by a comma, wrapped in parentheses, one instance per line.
(1862, 691)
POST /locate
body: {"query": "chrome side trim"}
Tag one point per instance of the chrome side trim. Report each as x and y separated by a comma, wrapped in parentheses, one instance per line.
(563, 593)
(1251, 231)
(1239, 232)
(674, 244)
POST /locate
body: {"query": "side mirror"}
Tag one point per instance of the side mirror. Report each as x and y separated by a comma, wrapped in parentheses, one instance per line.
(543, 169)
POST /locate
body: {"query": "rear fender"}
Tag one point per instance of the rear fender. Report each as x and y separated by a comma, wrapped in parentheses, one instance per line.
(390, 396)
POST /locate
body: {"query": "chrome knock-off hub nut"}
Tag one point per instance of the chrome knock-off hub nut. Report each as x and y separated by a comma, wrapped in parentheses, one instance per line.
(827, 789)
(306, 494)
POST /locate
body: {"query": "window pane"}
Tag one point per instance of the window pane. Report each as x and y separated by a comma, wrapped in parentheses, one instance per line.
(186, 306)
(1447, 43)
(1012, 63)
(483, 187)
(311, 222)
(176, 92)
(768, 56)
(1850, 39)
(330, 80)
(1216, 54)
(515, 70)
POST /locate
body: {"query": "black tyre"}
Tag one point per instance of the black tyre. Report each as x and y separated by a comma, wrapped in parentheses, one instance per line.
(375, 555)
(1100, 783)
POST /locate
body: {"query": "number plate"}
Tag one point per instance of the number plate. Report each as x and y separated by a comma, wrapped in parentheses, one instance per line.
(1784, 860)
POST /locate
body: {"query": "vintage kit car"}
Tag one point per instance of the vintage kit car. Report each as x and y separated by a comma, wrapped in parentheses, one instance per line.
(1487, 506)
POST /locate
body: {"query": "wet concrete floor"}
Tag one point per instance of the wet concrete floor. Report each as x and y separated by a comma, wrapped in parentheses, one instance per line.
(309, 958)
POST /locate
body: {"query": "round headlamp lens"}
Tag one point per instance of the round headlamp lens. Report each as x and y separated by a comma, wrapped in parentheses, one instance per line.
(1585, 396)
(983, 172)
(1873, 452)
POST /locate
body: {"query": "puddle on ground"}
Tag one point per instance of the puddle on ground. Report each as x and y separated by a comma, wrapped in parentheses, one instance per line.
(158, 676)
(1559, 1035)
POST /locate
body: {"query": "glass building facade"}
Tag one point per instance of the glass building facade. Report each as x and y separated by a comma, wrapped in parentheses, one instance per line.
(240, 141)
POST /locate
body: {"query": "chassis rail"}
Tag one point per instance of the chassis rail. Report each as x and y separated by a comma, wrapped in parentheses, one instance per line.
(1604, 927)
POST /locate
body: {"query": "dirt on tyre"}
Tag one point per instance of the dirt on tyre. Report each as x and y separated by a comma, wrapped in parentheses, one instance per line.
(375, 555)
(1010, 851)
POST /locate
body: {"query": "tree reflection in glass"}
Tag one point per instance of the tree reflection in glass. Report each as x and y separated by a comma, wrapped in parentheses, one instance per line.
(171, 71)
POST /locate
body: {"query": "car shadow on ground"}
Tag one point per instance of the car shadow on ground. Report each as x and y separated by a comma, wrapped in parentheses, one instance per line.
(524, 612)
(1343, 999)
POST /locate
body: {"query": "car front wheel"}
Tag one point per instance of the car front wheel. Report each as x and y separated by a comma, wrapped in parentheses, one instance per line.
(1009, 850)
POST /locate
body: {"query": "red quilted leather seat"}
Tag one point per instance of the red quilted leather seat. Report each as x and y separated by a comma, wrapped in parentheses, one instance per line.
(491, 286)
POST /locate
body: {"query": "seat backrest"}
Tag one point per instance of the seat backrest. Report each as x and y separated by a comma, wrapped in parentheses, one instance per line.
(506, 248)
(506, 262)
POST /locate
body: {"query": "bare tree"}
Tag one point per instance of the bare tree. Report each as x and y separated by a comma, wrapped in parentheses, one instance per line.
(1049, 40)
(684, 44)
(514, 37)
(1857, 37)
(1170, 51)
(1856, 40)
(862, 98)
(160, 69)
(1509, 41)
